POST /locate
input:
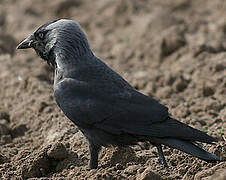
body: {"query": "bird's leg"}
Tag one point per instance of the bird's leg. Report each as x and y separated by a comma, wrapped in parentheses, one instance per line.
(94, 151)
(161, 156)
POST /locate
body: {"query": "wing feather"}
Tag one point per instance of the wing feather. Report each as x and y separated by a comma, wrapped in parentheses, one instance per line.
(125, 112)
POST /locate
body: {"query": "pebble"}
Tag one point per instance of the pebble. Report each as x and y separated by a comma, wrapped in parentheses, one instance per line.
(58, 151)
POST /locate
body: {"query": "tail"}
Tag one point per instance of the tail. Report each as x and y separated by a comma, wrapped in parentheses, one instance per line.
(178, 130)
(189, 148)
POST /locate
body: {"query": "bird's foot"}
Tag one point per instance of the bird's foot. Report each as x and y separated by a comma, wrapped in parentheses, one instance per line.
(162, 157)
(92, 165)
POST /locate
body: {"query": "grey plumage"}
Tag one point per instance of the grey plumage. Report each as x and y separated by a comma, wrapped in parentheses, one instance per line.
(106, 108)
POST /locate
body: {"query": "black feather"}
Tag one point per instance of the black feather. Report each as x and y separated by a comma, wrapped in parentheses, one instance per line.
(105, 107)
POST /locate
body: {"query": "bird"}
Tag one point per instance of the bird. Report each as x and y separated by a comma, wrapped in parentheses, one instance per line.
(104, 106)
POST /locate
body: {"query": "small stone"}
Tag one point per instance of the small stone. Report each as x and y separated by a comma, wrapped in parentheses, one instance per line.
(35, 165)
(220, 67)
(149, 174)
(180, 85)
(4, 115)
(18, 130)
(57, 151)
(171, 43)
(4, 122)
(208, 91)
(4, 130)
(131, 170)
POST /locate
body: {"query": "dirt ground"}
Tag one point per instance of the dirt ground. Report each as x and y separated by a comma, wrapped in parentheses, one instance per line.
(173, 50)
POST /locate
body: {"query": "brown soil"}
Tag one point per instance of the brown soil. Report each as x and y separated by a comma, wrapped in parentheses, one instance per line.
(174, 50)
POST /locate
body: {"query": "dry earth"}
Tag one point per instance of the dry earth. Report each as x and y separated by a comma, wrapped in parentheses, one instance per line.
(173, 50)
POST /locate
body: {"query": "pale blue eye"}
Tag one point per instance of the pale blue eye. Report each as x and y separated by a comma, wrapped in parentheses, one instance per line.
(41, 35)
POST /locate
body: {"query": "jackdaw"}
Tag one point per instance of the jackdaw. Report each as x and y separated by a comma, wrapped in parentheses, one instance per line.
(104, 106)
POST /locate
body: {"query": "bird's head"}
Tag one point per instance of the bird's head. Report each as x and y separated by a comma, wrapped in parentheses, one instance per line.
(62, 37)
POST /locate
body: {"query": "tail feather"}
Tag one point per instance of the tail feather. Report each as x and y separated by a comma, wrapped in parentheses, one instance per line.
(189, 148)
(178, 130)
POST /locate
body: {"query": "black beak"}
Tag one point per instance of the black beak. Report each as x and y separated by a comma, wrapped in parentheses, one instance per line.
(27, 43)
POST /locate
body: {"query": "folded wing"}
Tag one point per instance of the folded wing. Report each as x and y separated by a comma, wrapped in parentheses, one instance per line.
(126, 112)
